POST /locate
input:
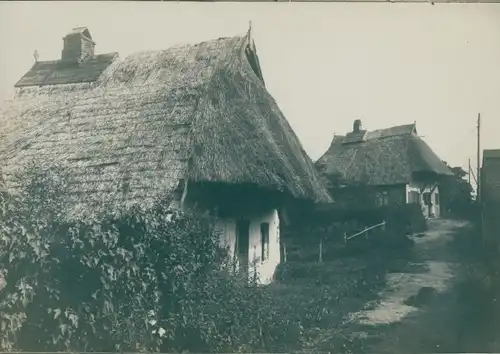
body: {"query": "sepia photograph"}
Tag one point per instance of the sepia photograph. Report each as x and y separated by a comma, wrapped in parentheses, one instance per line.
(249, 177)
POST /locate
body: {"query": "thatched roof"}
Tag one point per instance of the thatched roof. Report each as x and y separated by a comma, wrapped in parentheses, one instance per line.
(380, 157)
(2, 182)
(490, 175)
(197, 112)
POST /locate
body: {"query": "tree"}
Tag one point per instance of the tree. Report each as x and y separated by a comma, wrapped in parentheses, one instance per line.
(456, 193)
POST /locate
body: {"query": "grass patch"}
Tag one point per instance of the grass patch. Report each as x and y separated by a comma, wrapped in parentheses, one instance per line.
(323, 294)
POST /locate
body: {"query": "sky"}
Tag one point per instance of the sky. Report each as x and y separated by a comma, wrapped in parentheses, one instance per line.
(326, 64)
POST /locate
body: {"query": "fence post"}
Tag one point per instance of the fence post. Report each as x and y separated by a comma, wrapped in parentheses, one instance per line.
(383, 226)
(345, 238)
(284, 252)
(321, 250)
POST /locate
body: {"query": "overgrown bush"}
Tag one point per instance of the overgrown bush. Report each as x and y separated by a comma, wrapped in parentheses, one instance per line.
(456, 195)
(139, 281)
(122, 283)
(402, 220)
(316, 273)
(405, 218)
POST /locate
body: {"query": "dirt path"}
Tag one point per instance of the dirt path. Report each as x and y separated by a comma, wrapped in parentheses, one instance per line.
(428, 270)
(434, 301)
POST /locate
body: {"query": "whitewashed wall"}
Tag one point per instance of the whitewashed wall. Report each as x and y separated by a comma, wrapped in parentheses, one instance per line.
(227, 230)
(265, 269)
(425, 209)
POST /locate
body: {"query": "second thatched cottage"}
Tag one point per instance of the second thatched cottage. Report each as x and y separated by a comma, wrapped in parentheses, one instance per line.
(391, 165)
(194, 122)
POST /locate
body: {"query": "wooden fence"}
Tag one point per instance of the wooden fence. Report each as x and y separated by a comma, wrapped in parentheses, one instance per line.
(365, 232)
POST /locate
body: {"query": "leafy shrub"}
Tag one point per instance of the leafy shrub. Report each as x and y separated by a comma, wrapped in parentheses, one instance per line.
(456, 194)
(314, 272)
(405, 218)
(122, 283)
(137, 281)
(146, 281)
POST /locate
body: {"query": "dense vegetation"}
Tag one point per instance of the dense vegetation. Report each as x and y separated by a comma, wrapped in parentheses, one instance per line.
(114, 284)
(456, 194)
(156, 281)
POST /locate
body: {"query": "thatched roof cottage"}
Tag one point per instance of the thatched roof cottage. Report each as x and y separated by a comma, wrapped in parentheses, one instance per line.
(490, 196)
(394, 163)
(194, 123)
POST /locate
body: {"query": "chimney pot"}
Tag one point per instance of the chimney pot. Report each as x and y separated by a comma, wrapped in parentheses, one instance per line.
(356, 127)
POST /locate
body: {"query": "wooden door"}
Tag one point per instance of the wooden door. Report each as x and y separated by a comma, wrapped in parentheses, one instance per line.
(243, 244)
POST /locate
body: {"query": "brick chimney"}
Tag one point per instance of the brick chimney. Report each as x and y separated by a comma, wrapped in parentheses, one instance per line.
(356, 126)
(78, 46)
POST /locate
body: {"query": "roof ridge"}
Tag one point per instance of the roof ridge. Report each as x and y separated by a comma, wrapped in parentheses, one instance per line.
(180, 45)
(392, 127)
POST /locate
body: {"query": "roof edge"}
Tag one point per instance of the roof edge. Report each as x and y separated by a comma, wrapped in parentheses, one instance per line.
(250, 51)
(491, 154)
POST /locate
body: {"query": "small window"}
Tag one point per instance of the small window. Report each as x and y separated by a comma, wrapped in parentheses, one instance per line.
(385, 198)
(382, 199)
(264, 241)
(436, 198)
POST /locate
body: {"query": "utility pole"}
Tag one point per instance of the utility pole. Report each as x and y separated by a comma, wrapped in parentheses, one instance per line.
(468, 172)
(478, 175)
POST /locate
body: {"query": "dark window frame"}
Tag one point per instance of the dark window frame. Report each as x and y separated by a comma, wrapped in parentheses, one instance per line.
(264, 241)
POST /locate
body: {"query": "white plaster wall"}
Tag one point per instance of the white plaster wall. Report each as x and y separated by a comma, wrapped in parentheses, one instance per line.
(227, 230)
(412, 187)
(265, 269)
(416, 187)
(437, 208)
